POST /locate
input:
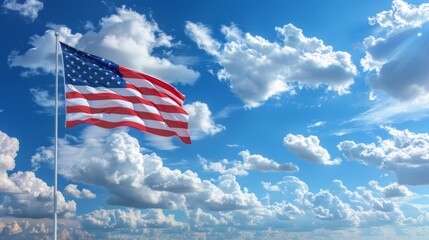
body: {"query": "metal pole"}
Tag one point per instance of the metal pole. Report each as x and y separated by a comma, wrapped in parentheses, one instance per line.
(56, 137)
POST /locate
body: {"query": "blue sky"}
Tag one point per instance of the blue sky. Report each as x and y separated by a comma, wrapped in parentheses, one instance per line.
(308, 121)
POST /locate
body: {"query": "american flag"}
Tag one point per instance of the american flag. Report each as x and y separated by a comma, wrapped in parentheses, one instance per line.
(100, 92)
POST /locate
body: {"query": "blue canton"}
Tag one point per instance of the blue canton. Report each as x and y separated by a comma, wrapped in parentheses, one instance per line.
(82, 68)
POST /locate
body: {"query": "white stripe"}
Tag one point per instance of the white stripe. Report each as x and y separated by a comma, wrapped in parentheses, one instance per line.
(109, 103)
(117, 118)
(138, 82)
(127, 92)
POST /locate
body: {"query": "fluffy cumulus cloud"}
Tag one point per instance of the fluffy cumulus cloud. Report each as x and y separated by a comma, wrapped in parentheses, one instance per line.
(391, 190)
(394, 66)
(8, 150)
(249, 162)
(114, 161)
(35, 198)
(129, 219)
(334, 208)
(72, 190)
(25, 195)
(309, 149)
(30, 8)
(201, 122)
(257, 69)
(127, 38)
(405, 154)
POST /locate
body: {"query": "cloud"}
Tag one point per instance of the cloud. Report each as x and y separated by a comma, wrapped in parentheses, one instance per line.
(269, 187)
(25, 195)
(201, 123)
(249, 161)
(316, 124)
(128, 219)
(47, 102)
(30, 8)
(72, 190)
(309, 149)
(112, 160)
(42, 156)
(257, 69)
(8, 151)
(405, 154)
(395, 57)
(127, 38)
(389, 111)
(28, 228)
(35, 198)
(392, 190)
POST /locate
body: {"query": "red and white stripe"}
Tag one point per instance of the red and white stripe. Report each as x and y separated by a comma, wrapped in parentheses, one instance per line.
(147, 104)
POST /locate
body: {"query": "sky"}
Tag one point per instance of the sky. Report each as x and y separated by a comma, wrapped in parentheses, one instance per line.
(308, 120)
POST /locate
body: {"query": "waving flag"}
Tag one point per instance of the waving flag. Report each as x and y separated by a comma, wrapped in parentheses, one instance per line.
(100, 92)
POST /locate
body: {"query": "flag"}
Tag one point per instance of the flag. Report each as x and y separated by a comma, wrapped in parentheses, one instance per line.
(100, 92)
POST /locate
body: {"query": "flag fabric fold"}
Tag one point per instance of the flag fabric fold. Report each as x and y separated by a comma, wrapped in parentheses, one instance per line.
(100, 92)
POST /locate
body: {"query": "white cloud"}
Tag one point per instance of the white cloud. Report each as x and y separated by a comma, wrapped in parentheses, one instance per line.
(396, 57)
(201, 35)
(268, 186)
(392, 190)
(47, 102)
(129, 219)
(127, 38)
(260, 163)
(249, 162)
(39, 58)
(405, 154)
(30, 8)
(389, 110)
(42, 156)
(35, 198)
(8, 151)
(25, 194)
(258, 69)
(316, 124)
(309, 149)
(201, 123)
(72, 190)
(113, 161)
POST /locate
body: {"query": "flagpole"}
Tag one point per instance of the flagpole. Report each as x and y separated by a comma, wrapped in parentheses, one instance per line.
(56, 137)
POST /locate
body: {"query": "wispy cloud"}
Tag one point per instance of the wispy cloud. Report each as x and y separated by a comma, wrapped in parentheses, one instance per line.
(30, 8)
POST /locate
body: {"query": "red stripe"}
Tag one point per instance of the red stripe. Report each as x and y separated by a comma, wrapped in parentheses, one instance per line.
(152, 92)
(132, 99)
(105, 124)
(127, 111)
(128, 73)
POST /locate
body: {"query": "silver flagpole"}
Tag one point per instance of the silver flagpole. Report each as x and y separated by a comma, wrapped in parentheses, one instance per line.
(56, 137)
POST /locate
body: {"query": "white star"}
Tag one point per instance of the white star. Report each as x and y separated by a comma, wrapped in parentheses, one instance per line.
(108, 83)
